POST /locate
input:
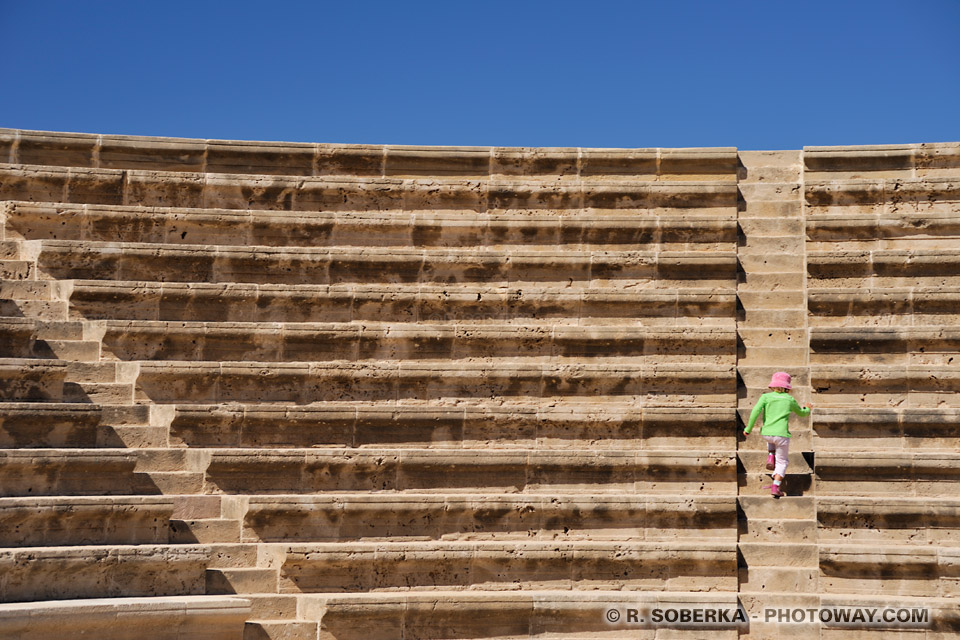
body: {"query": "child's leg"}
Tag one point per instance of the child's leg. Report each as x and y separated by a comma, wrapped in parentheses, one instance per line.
(782, 451)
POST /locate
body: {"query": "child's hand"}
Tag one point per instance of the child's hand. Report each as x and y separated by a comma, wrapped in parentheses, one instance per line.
(745, 433)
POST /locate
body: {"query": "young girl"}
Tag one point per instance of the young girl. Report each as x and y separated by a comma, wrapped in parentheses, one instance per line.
(776, 407)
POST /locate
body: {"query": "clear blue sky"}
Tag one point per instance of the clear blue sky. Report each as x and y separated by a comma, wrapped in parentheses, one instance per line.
(771, 74)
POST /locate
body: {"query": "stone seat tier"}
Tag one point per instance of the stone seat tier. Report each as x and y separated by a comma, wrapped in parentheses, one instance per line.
(37, 573)
(362, 516)
(876, 428)
(167, 618)
(886, 385)
(908, 570)
(287, 158)
(102, 520)
(32, 379)
(86, 472)
(87, 425)
(427, 302)
(886, 473)
(874, 303)
(305, 342)
(663, 228)
(881, 226)
(576, 614)
(886, 263)
(349, 193)
(514, 424)
(204, 382)
(887, 339)
(253, 471)
(888, 194)
(67, 259)
(364, 566)
(886, 520)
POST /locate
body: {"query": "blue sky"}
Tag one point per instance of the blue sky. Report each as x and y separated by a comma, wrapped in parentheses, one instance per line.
(772, 74)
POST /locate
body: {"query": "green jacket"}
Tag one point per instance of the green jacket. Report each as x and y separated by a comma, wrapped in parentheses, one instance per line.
(776, 408)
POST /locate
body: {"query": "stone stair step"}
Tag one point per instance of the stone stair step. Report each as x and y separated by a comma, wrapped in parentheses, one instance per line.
(346, 517)
(898, 474)
(921, 521)
(670, 230)
(427, 302)
(71, 472)
(349, 193)
(531, 565)
(293, 342)
(241, 580)
(203, 382)
(103, 520)
(31, 573)
(205, 530)
(18, 269)
(620, 425)
(85, 425)
(167, 617)
(32, 379)
(909, 570)
(66, 259)
(258, 629)
(252, 471)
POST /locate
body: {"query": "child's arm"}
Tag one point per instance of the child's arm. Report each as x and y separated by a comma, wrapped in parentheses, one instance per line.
(797, 409)
(757, 409)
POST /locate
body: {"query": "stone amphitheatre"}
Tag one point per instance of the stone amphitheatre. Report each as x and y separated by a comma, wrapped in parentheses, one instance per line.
(311, 391)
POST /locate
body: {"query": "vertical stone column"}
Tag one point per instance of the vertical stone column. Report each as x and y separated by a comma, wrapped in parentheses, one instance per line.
(777, 545)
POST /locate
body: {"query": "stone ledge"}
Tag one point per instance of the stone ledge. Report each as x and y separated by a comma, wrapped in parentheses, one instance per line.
(283, 193)
(32, 221)
(427, 302)
(291, 158)
(530, 565)
(167, 617)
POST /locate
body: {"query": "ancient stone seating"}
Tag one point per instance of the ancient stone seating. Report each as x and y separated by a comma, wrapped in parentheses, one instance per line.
(319, 391)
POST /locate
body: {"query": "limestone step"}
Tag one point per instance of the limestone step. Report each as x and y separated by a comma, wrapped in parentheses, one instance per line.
(102, 520)
(258, 629)
(241, 580)
(667, 230)
(908, 570)
(428, 302)
(927, 339)
(305, 342)
(875, 303)
(85, 425)
(69, 259)
(35, 573)
(360, 516)
(889, 520)
(32, 379)
(884, 263)
(878, 229)
(167, 617)
(516, 613)
(18, 270)
(529, 565)
(66, 472)
(884, 473)
(203, 382)
(256, 471)
(887, 384)
(484, 423)
(780, 554)
(880, 160)
(878, 428)
(349, 193)
(897, 193)
(205, 530)
(286, 158)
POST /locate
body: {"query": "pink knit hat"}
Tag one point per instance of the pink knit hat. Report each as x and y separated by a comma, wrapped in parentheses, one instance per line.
(780, 379)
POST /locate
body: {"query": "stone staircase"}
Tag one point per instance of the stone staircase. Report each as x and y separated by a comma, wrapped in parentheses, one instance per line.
(317, 391)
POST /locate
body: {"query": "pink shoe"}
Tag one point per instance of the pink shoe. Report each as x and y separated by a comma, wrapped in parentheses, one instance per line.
(771, 462)
(775, 490)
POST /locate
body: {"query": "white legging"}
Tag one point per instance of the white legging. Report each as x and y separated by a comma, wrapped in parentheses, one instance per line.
(781, 447)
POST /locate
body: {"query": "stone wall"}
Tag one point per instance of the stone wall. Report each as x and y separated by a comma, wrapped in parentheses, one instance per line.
(410, 392)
